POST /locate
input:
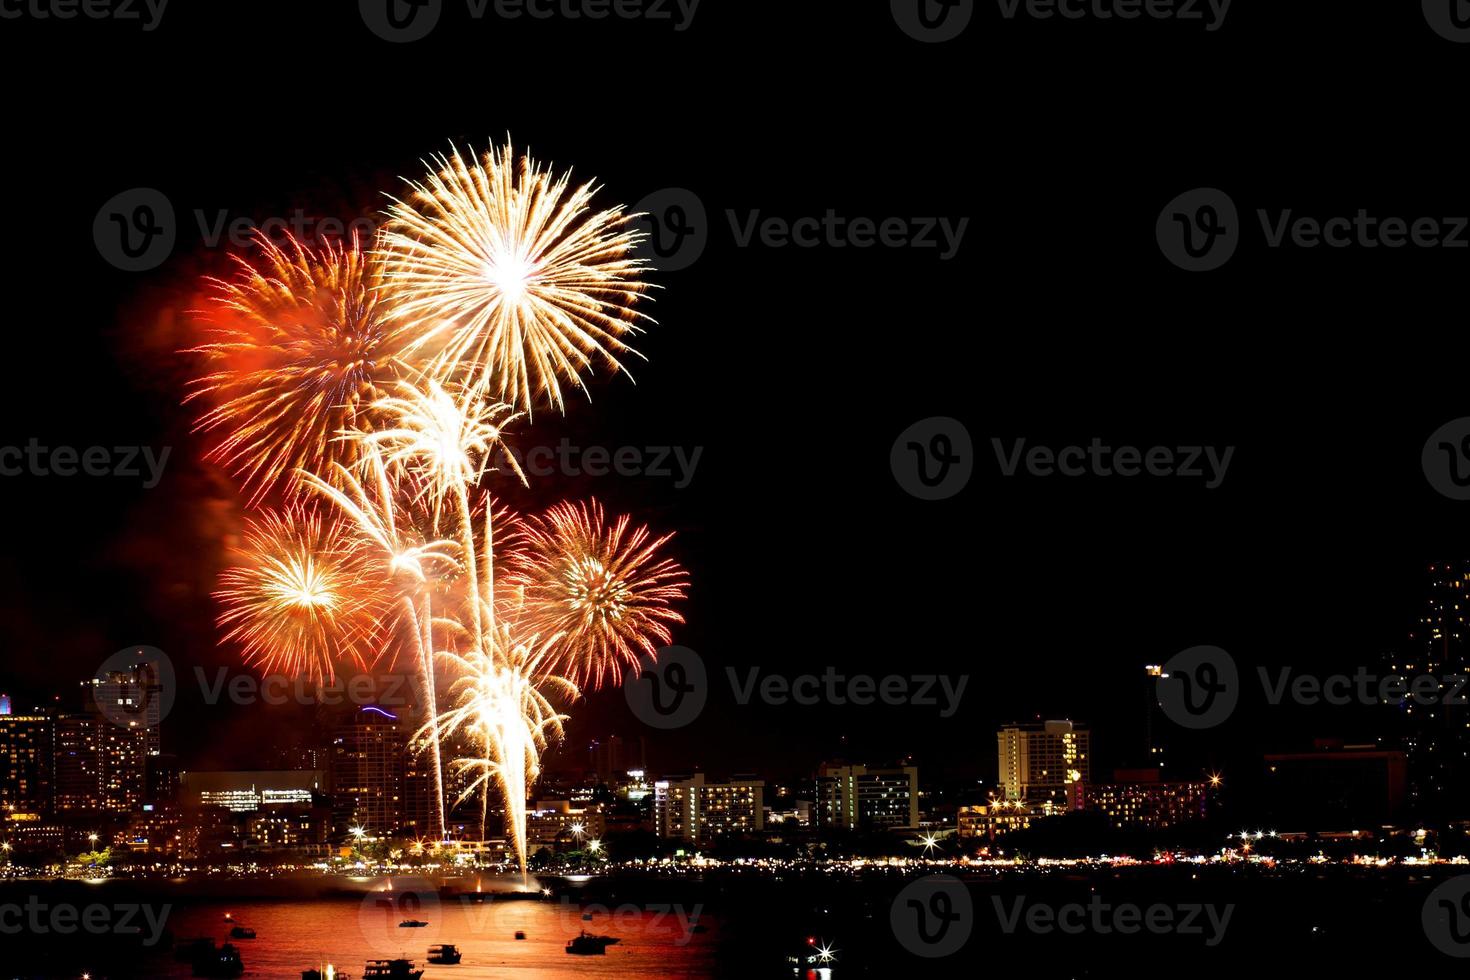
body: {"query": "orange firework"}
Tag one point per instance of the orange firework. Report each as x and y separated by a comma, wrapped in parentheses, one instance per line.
(508, 280)
(601, 588)
(301, 351)
(305, 596)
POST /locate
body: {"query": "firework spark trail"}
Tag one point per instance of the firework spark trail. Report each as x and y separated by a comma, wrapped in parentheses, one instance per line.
(381, 511)
(602, 587)
(303, 596)
(501, 708)
(508, 280)
(301, 348)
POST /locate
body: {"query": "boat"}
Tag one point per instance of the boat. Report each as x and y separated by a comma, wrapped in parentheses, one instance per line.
(520, 934)
(412, 924)
(586, 916)
(390, 970)
(445, 953)
(222, 962)
(242, 932)
(585, 945)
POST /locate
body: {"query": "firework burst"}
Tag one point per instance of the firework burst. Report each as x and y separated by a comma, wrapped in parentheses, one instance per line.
(508, 280)
(602, 588)
(304, 597)
(301, 348)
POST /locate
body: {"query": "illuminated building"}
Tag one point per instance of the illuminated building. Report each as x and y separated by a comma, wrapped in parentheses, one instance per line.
(1137, 799)
(25, 763)
(131, 700)
(556, 824)
(280, 828)
(77, 763)
(997, 818)
(249, 790)
(867, 798)
(1045, 762)
(1434, 735)
(367, 772)
(695, 810)
(1336, 787)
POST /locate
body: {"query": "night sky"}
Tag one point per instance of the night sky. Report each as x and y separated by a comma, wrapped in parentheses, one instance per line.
(795, 369)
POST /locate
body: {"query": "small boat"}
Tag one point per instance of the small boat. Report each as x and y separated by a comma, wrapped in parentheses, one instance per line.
(223, 962)
(390, 970)
(586, 916)
(585, 945)
(445, 953)
(698, 928)
(412, 924)
(242, 932)
(520, 934)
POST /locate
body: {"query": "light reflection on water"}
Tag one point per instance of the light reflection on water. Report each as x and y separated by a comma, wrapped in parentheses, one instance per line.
(298, 935)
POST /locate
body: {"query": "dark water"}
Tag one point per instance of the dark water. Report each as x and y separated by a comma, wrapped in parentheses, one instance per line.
(1322, 920)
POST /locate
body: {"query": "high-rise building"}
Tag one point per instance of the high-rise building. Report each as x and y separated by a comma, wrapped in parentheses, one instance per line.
(695, 810)
(1045, 762)
(1435, 735)
(367, 772)
(867, 798)
(1137, 799)
(25, 763)
(77, 762)
(249, 790)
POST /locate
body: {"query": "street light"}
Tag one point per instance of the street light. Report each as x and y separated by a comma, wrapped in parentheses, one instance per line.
(594, 846)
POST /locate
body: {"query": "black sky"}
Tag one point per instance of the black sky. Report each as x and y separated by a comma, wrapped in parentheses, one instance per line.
(795, 369)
